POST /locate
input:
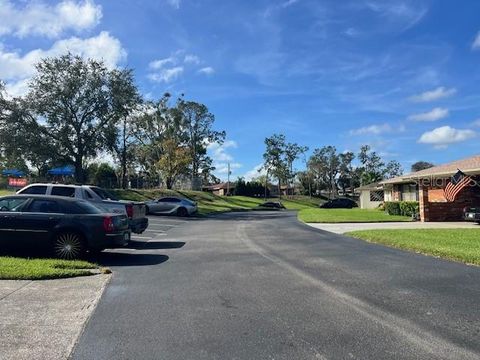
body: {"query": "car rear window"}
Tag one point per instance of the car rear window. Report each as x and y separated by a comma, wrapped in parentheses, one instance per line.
(63, 191)
(44, 206)
(103, 194)
(81, 207)
(35, 190)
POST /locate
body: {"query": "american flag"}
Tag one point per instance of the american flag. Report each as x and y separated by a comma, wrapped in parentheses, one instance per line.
(457, 183)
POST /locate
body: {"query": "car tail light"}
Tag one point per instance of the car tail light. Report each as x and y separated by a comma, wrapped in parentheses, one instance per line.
(129, 208)
(108, 224)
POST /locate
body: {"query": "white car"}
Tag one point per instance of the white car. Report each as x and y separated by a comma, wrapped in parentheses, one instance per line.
(171, 206)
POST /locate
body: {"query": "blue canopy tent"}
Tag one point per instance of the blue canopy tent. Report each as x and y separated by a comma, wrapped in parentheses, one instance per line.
(62, 171)
(13, 172)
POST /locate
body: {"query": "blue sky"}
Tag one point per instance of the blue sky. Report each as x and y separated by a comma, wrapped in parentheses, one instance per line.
(401, 75)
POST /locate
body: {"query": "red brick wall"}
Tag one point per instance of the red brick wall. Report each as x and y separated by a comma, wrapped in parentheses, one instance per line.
(448, 211)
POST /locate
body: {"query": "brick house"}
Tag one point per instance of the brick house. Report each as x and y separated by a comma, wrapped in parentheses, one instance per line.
(221, 189)
(427, 186)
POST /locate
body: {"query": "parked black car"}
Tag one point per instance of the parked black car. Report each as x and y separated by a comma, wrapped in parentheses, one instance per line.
(273, 205)
(340, 203)
(69, 227)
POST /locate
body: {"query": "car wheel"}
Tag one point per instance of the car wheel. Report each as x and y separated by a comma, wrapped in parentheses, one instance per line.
(182, 212)
(69, 245)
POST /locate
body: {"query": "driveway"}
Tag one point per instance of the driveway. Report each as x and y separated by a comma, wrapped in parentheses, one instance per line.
(261, 285)
(342, 228)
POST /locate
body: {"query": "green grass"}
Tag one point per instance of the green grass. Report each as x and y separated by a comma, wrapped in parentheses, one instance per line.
(12, 268)
(209, 203)
(347, 216)
(455, 244)
(4, 192)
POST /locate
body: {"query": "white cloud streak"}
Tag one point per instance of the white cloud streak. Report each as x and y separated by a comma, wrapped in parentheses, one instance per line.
(435, 94)
(432, 115)
(476, 42)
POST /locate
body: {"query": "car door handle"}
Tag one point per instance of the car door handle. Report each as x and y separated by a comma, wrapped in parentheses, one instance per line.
(53, 218)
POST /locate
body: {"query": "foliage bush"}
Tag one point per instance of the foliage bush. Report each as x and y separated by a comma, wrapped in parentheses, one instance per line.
(405, 208)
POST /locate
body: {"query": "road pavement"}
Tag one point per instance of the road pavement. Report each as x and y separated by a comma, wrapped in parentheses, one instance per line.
(261, 285)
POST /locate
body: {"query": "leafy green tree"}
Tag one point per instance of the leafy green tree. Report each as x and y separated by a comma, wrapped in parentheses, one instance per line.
(421, 165)
(174, 161)
(74, 103)
(325, 164)
(274, 161)
(198, 125)
(125, 104)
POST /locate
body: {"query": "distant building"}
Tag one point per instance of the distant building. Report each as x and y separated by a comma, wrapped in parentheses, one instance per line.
(221, 189)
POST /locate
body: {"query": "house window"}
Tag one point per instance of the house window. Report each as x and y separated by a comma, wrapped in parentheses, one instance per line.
(377, 195)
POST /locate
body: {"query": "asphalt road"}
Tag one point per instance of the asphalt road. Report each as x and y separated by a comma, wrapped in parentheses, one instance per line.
(261, 285)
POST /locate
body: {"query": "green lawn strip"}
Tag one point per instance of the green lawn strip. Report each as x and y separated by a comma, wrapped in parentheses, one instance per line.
(12, 268)
(209, 203)
(454, 244)
(347, 216)
(4, 192)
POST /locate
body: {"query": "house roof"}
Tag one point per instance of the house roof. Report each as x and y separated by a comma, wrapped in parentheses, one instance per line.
(470, 166)
(372, 186)
(220, 186)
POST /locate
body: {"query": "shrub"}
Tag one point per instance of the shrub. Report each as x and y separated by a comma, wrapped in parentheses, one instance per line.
(392, 207)
(409, 208)
(405, 208)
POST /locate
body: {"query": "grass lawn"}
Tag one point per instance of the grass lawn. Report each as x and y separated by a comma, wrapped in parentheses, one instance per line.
(12, 268)
(454, 244)
(4, 192)
(347, 216)
(209, 203)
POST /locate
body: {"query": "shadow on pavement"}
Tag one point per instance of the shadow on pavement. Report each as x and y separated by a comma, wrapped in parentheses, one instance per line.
(107, 258)
(155, 245)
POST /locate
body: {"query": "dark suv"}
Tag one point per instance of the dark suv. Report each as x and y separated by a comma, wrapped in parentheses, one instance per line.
(68, 227)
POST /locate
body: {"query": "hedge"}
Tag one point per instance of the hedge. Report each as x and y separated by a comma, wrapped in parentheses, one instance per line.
(405, 208)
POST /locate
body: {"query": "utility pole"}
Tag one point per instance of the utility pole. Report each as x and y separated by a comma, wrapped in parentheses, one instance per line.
(228, 179)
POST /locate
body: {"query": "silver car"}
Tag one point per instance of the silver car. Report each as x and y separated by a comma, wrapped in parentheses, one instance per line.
(171, 206)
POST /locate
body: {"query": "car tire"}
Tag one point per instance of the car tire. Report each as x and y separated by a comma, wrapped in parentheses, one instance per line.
(69, 245)
(182, 212)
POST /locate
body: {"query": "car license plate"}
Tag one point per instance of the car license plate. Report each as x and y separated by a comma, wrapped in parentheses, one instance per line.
(471, 216)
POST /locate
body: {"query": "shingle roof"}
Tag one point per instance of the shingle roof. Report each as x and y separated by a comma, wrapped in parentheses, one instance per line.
(470, 166)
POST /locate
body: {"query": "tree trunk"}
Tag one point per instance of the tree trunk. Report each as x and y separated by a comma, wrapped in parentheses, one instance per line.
(79, 175)
(124, 157)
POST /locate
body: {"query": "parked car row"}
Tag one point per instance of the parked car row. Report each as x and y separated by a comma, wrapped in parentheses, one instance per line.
(71, 220)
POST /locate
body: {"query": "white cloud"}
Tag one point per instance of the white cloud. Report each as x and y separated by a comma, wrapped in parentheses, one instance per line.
(171, 68)
(257, 171)
(404, 13)
(476, 123)
(289, 3)
(433, 115)
(377, 129)
(39, 18)
(174, 3)
(191, 59)
(207, 70)
(443, 136)
(159, 64)
(166, 75)
(476, 42)
(435, 94)
(221, 157)
(16, 69)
